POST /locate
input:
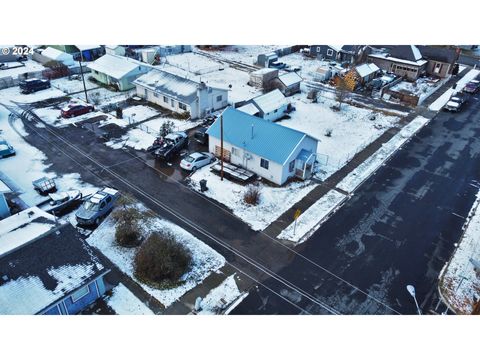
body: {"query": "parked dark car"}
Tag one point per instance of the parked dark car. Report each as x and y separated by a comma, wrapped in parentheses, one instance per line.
(33, 85)
(278, 65)
(201, 135)
(172, 145)
(61, 203)
(456, 102)
(472, 87)
(76, 109)
(97, 207)
(6, 149)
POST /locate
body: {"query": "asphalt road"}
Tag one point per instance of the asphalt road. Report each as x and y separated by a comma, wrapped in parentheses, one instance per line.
(398, 229)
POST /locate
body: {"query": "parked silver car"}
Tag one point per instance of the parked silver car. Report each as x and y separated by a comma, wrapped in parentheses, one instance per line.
(196, 160)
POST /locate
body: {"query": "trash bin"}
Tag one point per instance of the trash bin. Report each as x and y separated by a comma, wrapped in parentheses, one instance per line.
(203, 185)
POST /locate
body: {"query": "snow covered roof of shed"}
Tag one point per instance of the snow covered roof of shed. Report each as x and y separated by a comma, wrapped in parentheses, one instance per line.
(249, 108)
(263, 71)
(270, 101)
(257, 136)
(115, 66)
(56, 54)
(39, 274)
(290, 78)
(406, 52)
(366, 69)
(398, 60)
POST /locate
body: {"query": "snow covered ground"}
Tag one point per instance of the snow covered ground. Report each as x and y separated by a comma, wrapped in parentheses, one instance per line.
(369, 166)
(205, 259)
(460, 283)
(101, 96)
(137, 113)
(30, 66)
(220, 297)
(30, 164)
(274, 201)
(134, 138)
(352, 129)
(12, 94)
(123, 302)
(244, 53)
(443, 99)
(154, 125)
(313, 217)
(194, 63)
(423, 87)
(72, 86)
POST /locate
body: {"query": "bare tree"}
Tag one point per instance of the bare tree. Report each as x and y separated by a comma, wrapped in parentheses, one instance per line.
(341, 91)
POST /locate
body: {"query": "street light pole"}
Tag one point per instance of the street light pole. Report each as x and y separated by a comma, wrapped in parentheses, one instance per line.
(411, 290)
(221, 147)
(83, 78)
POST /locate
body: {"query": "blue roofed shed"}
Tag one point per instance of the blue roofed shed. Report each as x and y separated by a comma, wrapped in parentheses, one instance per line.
(270, 150)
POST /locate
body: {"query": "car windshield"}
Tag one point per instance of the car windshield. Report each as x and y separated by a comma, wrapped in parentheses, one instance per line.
(88, 205)
(189, 159)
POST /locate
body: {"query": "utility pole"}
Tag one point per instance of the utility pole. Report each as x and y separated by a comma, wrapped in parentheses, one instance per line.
(83, 79)
(221, 147)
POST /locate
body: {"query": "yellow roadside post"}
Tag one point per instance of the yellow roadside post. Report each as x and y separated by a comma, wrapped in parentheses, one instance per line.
(295, 217)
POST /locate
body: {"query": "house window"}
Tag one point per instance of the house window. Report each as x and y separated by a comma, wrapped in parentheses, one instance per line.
(154, 94)
(182, 106)
(438, 66)
(77, 295)
(291, 166)
(318, 49)
(165, 99)
(234, 151)
(219, 98)
(173, 103)
(329, 52)
(264, 163)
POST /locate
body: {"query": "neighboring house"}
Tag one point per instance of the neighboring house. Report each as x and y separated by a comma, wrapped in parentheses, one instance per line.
(402, 60)
(179, 94)
(46, 268)
(272, 151)
(270, 106)
(263, 77)
(340, 53)
(264, 60)
(117, 71)
(59, 56)
(4, 208)
(165, 50)
(288, 83)
(115, 50)
(441, 60)
(83, 52)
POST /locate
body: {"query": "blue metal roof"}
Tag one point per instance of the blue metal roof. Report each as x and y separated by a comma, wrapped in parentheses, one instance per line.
(264, 138)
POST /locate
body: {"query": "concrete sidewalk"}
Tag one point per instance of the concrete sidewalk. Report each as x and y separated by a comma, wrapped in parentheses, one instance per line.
(276, 227)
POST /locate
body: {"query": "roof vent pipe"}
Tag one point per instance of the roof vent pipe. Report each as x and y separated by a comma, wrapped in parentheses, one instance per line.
(251, 137)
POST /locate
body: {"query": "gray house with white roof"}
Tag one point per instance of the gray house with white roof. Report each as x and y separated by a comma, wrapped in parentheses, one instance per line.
(117, 71)
(288, 83)
(179, 94)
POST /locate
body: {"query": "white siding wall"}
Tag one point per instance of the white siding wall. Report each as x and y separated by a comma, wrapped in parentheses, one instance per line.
(272, 116)
(308, 144)
(273, 174)
(149, 95)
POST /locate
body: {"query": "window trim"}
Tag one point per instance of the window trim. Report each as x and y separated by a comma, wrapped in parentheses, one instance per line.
(264, 162)
(329, 52)
(75, 298)
(291, 166)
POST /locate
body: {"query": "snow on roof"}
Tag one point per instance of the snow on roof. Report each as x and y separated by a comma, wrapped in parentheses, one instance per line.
(37, 275)
(336, 47)
(4, 187)
(116, 66)
(175, 86)
(270, 101)
(23, 227)
(394, 59)
(249, 108)
(56, 54)
(263, 71)
(366, 69)
(290, 78)
(87, 47)
(256, 135)
(416, 52)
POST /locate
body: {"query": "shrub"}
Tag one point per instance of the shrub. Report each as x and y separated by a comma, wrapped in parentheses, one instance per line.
(166, 128)
(252, 195)
(127, 234)
(95, 98)
(328, 132)
(161, 260)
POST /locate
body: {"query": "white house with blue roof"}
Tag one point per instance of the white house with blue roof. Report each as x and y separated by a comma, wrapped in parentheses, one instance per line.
(272, 151)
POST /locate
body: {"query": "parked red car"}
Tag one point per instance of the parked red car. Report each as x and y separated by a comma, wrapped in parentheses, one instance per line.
(75, 109)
